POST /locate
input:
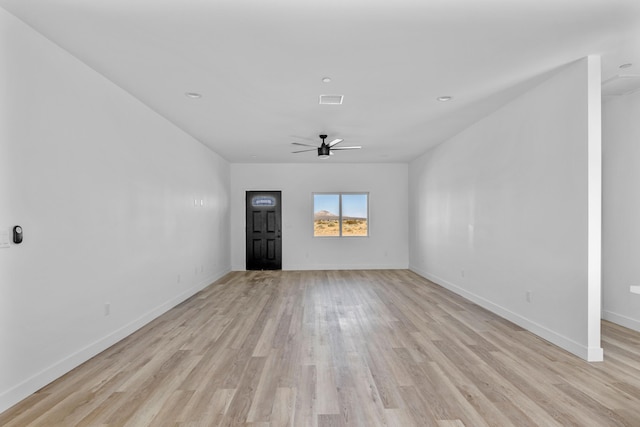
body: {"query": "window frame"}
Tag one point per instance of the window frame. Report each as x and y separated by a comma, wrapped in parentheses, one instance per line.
(339, 194)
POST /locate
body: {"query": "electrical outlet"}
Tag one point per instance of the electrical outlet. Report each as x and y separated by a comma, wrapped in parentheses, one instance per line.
(462, 273)
(107, 308)
(178, 278)
(529, 296)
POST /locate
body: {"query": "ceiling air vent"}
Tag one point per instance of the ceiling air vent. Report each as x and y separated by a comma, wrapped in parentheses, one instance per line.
(331, 99)
(621, 85)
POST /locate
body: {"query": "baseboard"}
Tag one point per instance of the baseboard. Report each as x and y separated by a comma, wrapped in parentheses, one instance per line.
(321, 267)
(587, 353)
(34, 383)
(621, 320)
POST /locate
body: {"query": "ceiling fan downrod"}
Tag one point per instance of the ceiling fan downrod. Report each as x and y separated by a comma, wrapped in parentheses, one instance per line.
(323, 150)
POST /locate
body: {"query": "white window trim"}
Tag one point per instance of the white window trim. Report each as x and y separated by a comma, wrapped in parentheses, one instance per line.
(339, 194)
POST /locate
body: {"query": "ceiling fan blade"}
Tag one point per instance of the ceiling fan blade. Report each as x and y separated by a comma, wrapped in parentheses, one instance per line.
(355, 147)
(305, 145)
(335, 141)
(302, 151)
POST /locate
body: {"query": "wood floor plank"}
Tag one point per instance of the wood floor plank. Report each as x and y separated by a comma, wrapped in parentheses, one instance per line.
(399, 417)
(283, 409)
(305, 413)
(326, 390)
(263, 400)
(339, 348)
(246, 390)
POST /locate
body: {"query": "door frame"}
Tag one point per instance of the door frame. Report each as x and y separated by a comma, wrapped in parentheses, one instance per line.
(279, 242)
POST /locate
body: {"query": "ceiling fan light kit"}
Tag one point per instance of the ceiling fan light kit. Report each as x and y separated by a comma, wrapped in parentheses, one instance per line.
(324, 151)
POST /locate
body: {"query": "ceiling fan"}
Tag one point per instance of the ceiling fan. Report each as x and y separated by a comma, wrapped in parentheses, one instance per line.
(325, 150)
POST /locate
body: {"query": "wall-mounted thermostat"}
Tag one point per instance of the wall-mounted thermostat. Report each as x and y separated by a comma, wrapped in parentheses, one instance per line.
(17, 234)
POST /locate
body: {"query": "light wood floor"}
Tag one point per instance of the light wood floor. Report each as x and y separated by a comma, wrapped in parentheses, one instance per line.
(351, 348)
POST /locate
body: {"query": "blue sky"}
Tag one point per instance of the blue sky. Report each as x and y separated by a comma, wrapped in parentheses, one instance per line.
(354, 205)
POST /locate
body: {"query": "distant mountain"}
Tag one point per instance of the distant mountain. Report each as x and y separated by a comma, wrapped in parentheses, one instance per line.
(324, 215)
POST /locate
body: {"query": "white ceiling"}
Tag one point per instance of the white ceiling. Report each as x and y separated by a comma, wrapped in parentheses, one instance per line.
(259, 63)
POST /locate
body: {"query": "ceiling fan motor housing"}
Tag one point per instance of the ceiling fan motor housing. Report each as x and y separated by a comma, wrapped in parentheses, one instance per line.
(323, 150)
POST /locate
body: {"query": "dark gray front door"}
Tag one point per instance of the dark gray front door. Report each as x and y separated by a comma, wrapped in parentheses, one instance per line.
(264, 230)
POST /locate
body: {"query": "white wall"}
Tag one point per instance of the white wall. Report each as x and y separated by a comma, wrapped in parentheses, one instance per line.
(105, 190)
(501, 209)
(621, 209)
(386, 247)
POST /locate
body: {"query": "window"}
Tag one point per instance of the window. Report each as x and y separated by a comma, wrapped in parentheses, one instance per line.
(340, 214)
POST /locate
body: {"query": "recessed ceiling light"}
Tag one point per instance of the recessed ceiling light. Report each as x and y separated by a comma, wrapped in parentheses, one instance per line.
(193, 95)
(623, 66)
(326, 80)
(444, 98)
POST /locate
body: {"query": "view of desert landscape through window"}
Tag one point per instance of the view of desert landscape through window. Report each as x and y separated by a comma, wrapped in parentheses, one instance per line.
(332, 210)
(327, 224)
